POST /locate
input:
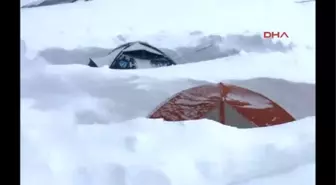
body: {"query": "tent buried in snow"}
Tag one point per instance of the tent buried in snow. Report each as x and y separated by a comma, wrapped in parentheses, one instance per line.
(133, 55)
(228, 104)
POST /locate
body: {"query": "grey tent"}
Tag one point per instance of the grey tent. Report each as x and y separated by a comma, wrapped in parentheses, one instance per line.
(133, 55)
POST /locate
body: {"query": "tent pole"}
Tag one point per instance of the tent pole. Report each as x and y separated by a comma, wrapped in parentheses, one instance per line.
(221, 104)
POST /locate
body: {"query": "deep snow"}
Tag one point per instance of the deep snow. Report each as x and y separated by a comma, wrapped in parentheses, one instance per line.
(87, 126)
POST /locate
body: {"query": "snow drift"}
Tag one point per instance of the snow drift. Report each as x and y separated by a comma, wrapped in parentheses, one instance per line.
(65, 145)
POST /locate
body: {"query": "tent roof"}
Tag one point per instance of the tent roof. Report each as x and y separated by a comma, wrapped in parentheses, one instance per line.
(224, 103)
(141, 46)
(127, 47)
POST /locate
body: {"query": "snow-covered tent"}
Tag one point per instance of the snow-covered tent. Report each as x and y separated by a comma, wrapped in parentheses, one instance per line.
(225, 103)
(133, 55)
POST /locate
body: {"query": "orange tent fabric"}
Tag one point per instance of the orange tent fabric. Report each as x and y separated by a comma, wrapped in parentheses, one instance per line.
(225, 103)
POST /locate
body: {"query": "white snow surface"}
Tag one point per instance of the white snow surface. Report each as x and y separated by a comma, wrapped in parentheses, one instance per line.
(165, 24)
(87, 126)
(254, 101)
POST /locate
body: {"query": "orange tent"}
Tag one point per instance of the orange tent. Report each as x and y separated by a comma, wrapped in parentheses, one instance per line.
(225, 103)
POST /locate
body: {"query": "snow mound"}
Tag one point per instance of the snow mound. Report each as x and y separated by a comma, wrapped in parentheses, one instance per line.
(65, 145)
(56, 150)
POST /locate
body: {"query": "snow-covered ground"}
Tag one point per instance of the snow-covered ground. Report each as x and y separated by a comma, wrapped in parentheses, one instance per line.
(87, 126)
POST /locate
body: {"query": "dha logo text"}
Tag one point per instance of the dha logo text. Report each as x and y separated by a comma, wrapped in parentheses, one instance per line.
(271, 35)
